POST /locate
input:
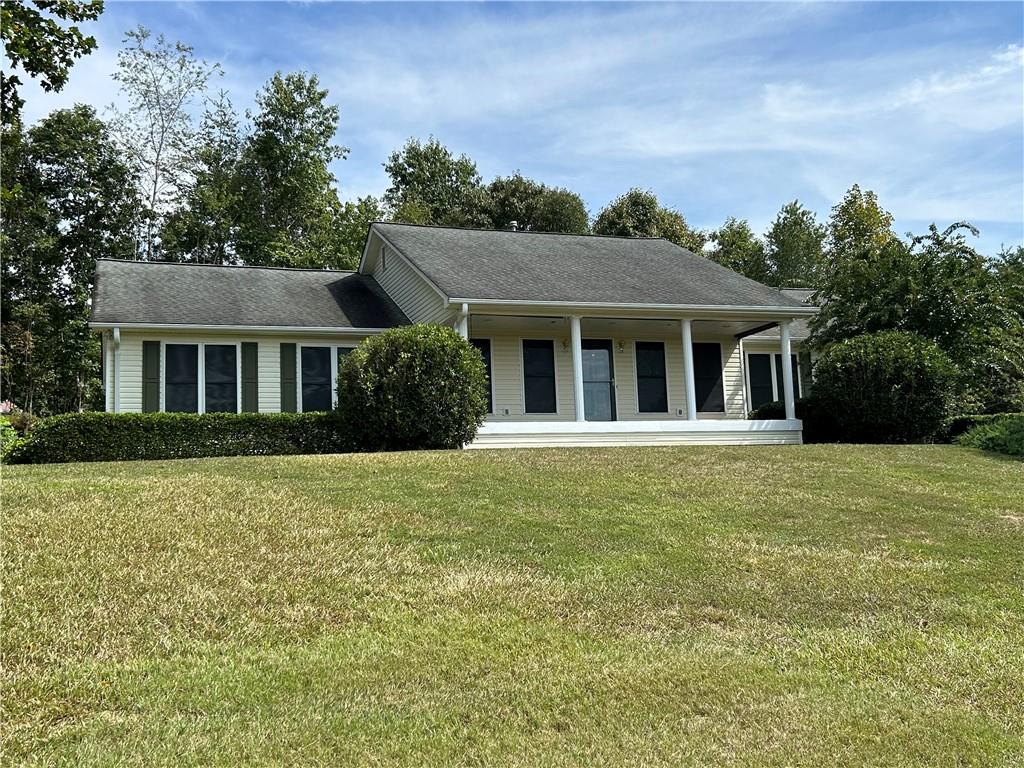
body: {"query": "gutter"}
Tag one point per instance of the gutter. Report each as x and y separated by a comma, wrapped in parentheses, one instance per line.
(801, 311)
(101, 326)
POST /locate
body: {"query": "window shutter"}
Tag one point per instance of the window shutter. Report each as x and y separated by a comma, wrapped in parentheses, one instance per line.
(150, 376)
(288, 378)
(250, 377)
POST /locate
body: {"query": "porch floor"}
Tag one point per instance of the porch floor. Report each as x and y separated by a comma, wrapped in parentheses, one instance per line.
(538, 434)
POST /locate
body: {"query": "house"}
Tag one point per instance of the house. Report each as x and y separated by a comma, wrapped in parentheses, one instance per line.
(588, 340)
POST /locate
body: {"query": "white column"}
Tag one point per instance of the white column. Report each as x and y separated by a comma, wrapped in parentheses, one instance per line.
(787, 371)
(116, 335)
(577, 367)
(464, 322)
(688, 381)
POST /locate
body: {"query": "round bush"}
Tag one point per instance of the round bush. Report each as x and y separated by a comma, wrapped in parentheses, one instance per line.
(890, 387)
(419, 386)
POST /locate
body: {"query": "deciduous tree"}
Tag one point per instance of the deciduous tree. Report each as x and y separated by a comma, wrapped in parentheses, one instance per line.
(534, 206)
(639, 214)
(430, 185)
(735, 246)
(794, 247)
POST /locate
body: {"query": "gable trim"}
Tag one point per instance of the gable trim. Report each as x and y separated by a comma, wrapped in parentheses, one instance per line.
(419, 272)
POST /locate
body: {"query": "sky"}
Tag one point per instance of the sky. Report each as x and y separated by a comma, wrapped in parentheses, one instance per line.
(721, 109)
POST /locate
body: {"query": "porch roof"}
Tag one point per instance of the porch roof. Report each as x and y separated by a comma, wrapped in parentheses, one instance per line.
(507, 266)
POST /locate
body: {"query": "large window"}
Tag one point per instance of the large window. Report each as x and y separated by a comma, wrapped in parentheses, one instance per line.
(181, 378)
(764, 371)
(651, 389)
(539, 376)
(484, 345)
(221, 378)
(317, 380)
(707, 373)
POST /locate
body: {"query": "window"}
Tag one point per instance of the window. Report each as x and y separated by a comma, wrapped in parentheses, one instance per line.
(707, 374)
(484, 345)
(316, 379)
(539, 376)
(778, 376)
(221, 378)
(181, 378)
(651, 389)
(764, 371)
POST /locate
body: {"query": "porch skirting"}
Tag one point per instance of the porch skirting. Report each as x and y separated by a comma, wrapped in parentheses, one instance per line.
(542, 434)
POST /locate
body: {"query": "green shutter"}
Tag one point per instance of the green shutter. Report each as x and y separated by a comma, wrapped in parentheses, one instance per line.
(250, 377)
(288, 399)
(150, 376)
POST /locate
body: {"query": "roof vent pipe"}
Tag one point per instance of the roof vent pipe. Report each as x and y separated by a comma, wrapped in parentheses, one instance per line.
(514, 226)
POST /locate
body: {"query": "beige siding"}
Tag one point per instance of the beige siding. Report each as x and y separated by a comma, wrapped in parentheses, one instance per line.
(417, 298)
(268, 361)
(507, 369)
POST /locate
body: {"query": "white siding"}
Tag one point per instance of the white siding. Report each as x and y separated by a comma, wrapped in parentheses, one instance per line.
(416, 298)
(268, 361)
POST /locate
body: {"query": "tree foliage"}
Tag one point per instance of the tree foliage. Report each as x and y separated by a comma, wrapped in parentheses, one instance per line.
(639, 214)
(736, 246)
(36, 42)
(794, 248)
(68, 200)
(534, 206)
(857, 223)
(430, 185)
(353, 223)
(160, 80)
(289, 205)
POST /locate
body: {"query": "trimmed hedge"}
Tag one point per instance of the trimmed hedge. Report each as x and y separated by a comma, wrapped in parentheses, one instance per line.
(959, 425)
(1002, 434)
(131, 436)
(411, 388)
(889, 387)
(819, 423)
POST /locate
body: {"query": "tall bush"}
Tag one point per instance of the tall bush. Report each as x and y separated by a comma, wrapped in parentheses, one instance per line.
(418, 386)
(889, 387)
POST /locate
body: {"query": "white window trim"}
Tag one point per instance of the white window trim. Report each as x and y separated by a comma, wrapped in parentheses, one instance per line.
(494, 401)
(522, 377)
(201, 371)
(334, 371)
(776, 395)
(636, 380)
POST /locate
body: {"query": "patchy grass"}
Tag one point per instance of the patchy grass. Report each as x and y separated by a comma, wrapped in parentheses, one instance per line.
(771, 606)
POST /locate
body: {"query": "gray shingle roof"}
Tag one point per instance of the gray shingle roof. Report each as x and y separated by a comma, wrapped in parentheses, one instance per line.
(799, 329)
(533, 266)
(197, 294)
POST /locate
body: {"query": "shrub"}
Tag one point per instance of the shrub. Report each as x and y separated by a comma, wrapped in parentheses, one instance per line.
(1002, 434)
(418, 386)
(127, 436)
(819, 423)
(9, 440)
(889, 387)
(959, 425)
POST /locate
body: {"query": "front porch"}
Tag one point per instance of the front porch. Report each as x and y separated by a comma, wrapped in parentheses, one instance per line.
(615, 379)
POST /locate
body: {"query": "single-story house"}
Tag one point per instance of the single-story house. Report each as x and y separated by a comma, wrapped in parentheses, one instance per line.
(588, 340)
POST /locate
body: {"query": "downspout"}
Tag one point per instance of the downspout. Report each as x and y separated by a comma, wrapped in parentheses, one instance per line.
(117, 369)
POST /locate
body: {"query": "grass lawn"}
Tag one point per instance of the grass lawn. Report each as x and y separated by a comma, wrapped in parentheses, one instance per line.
(813, 605)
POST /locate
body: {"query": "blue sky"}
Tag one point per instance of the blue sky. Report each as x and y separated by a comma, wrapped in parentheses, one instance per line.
(720, 109)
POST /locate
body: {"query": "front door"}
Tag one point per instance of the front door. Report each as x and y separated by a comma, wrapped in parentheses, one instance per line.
(598, 380)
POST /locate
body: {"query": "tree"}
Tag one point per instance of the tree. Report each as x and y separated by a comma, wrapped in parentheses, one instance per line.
(938, 287)
(354, 221)
(794, 247)
(71, 202)
(35, 42)
(639, 214)
(858, 222)
(534, 206)
(161, 80)
(737, 247)
(429, 185)
(288, 201)
(204, 226)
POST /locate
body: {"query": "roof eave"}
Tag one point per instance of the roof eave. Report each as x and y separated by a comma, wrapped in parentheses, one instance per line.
(104, 325)
(717, 309)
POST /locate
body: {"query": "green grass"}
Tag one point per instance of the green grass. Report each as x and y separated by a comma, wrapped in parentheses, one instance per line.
(813, 605)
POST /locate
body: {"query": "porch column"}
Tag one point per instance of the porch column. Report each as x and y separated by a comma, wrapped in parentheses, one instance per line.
(464, 322)
(688, 380)
(787, 371)
(577, 366)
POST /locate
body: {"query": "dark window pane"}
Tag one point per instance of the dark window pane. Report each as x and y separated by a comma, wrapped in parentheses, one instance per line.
(597, 401)
(181, 378)
(759, 368)
(778, 376)
(316, 379)
(539, 376)
(651, 390)
(484, 345)
(707, 374)
(221, 377)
